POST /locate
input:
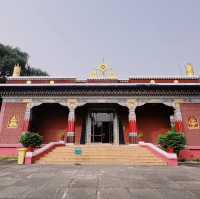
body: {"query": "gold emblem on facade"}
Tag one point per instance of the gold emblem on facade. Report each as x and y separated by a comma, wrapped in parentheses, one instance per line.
(193, 123)
(13, 123)
(103, 71)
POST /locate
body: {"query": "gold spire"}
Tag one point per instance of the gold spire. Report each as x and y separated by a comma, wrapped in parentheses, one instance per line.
(16, 71)
(189, 70)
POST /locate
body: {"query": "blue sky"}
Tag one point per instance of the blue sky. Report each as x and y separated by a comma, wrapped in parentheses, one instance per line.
(136, 37)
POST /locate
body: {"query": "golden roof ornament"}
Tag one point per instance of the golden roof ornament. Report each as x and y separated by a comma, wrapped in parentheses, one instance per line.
(103, 71)
(189, 70)
(16, 70)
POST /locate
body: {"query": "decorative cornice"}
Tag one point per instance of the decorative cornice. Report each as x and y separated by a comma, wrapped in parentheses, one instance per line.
(101, 90)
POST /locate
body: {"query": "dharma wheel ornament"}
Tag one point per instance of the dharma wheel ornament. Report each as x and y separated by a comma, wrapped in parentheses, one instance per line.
(103, 71)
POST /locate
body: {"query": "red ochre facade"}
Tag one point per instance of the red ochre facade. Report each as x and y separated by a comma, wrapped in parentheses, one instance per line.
(51, 123)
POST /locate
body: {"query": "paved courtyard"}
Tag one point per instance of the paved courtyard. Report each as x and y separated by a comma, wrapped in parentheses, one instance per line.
(85, 182)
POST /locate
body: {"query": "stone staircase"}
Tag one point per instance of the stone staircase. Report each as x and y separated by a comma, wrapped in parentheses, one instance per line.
(101, 155)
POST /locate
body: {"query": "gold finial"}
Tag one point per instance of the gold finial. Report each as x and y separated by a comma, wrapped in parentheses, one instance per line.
(189, 70)
(17, 70)
(13, 122)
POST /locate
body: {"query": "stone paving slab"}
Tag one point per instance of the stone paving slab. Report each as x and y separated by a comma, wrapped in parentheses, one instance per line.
(99, 182)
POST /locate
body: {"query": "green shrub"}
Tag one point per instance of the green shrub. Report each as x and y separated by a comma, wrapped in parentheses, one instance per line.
(172, 139)
(30, 139)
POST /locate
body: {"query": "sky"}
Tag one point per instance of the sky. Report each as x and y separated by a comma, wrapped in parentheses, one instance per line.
(135, 37)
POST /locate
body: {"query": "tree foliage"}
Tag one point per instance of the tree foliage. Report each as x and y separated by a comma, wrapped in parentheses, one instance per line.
(10, 56)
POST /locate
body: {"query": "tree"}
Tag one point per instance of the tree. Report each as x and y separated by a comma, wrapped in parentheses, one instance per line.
(34, 72)
(10, 56)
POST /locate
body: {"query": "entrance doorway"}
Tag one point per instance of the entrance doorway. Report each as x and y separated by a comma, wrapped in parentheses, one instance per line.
(101, 123)
(102, 127)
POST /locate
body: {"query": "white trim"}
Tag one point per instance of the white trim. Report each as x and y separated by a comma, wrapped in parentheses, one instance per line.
(98, 84)
(171, 77)
(43, 149)
(70, 133)
(132, 134)
(159, 151)
(40, 78)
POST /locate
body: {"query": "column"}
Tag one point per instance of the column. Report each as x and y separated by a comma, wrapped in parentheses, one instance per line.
(71, 126)
(132, 135)
(178, 120)
(88, 129)
(115, 129)
(172, 121)
(27, 116)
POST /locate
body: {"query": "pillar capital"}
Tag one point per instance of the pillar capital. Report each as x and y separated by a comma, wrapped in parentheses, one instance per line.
(131, 104)
(72, 104)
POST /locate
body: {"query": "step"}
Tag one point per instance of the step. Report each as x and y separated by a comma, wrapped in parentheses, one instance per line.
(102, 158)
(103, 163)
(101, 155)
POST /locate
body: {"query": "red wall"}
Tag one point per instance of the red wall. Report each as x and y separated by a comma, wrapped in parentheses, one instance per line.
(192, 135)
(153, 121)
(12, 135)
(49, 120)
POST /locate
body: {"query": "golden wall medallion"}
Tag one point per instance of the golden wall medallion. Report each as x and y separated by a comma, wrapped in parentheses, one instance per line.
(13, 123)
(193, 122)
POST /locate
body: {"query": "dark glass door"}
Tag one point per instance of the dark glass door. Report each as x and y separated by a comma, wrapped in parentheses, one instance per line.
(102, 127)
